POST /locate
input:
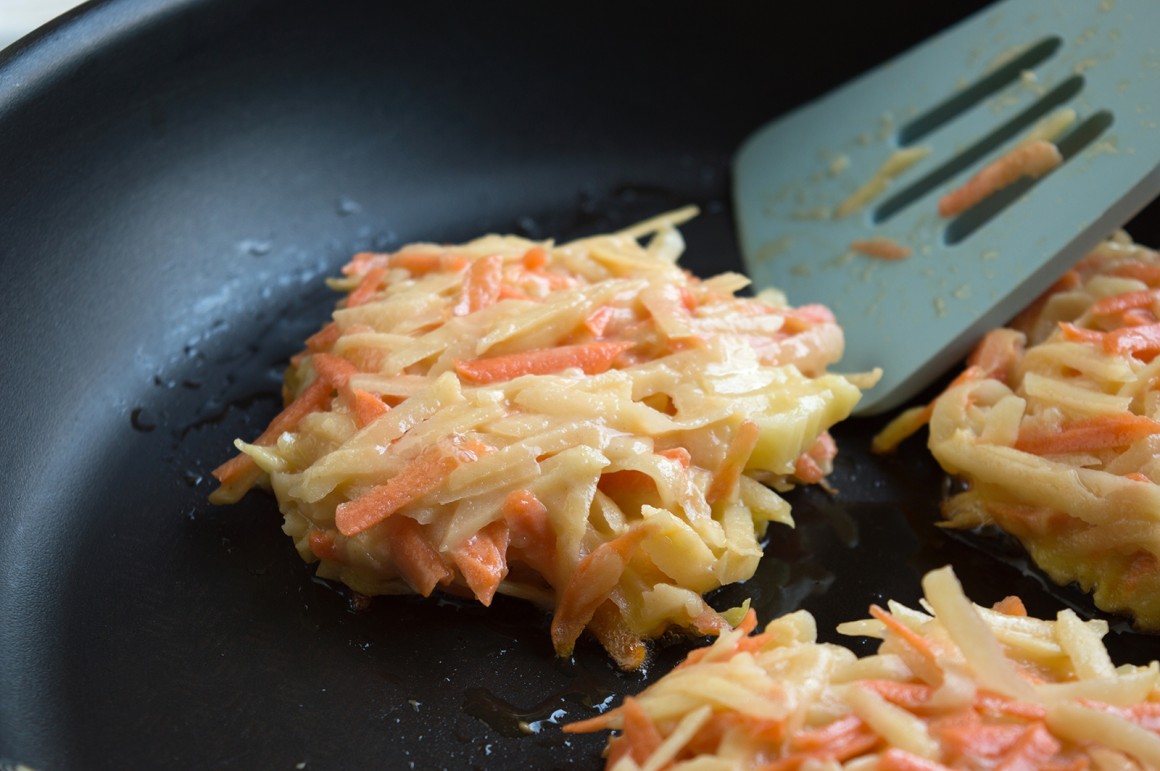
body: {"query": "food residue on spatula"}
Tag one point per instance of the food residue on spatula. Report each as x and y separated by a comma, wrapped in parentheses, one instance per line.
(584, 426)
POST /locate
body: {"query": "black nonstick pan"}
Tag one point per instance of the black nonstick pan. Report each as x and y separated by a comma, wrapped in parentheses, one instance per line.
(177, 177)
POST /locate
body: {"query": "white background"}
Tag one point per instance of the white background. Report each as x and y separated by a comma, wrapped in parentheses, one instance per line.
(19, 17)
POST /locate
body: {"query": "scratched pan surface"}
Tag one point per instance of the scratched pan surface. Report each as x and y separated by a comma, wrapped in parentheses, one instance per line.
(177, 179)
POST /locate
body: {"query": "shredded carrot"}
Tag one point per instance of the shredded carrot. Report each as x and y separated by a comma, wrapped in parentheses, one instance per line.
(535, 258)
(1143, 342)
(895, 759)
(421, 263)
(826, 736)
(640, 732)
(333, 369)
(1137, 317)
(880, 248)
(809, 465)
(1075, 334)
(1033, 159)
(728, 476)
(241, 472)
(531, 532)
(417, 561)
(1035, 747)
(367, 407)
(989, 703)
(325, 338)
(416, 479)
(362, 261)
(910, 696)
(597, 321)
(997, 353)
(481, 285)
(592, 358)
(507, 292)
(924, 661)
(688, 299)
(1098, 433)
(323, 545)
(1116, 304)
(595, 576)
(1137, 476)
(367, 287)
(482, 560)
(839, 740)
(1148, 272)
(1010, 605)
(678, 454)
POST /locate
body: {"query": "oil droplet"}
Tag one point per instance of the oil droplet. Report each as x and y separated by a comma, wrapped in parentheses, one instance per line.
(139, 422)
(255, 247)
(348, 206)
(191, 478)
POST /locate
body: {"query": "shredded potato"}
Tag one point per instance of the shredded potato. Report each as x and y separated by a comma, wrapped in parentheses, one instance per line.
(1055, 427)
(585, 426)
(928, 699)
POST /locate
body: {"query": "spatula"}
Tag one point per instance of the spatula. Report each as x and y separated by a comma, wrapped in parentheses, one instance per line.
(870, 161)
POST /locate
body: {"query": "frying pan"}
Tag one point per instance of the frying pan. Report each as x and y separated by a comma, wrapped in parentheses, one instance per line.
(178, 178)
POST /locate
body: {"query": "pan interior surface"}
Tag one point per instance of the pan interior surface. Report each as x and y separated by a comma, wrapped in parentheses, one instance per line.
(180, 177)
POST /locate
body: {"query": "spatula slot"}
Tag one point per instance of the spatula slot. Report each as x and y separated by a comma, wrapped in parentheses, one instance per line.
(1070, 145)
(995, 80)
(979, 150)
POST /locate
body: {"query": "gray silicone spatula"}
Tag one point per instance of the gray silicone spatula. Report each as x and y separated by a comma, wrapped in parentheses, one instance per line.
(872, 159)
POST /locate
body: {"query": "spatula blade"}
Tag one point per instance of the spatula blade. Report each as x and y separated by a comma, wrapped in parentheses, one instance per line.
(916, 317)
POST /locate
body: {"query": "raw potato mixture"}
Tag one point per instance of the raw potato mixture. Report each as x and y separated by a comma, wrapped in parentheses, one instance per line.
(952, 685)
(1055, 428)
(585, 426)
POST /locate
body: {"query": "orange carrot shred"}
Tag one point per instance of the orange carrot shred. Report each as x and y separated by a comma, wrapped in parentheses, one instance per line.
(1030, 160)
(727, 477)
(535, 258)
(914, 642)
(325, 338)
(592, 358)
(1098, 433)
(678, 454)
(597, 321)
(1143, 342)
(417, 561)
(1116, 304)
(323, 545)
(1031, 750)
(880, 248)
(594, 578)
(998, 353)
(367, 407)
(895, 759)
(416, 479)
(1010, 606)
(367, 287)
(241, 471)
(333, 369)
(531, 532)
(481, 285)
(1148, 272)
(639, 731)
(482, 560)
(910, 696)
(1075, 334)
